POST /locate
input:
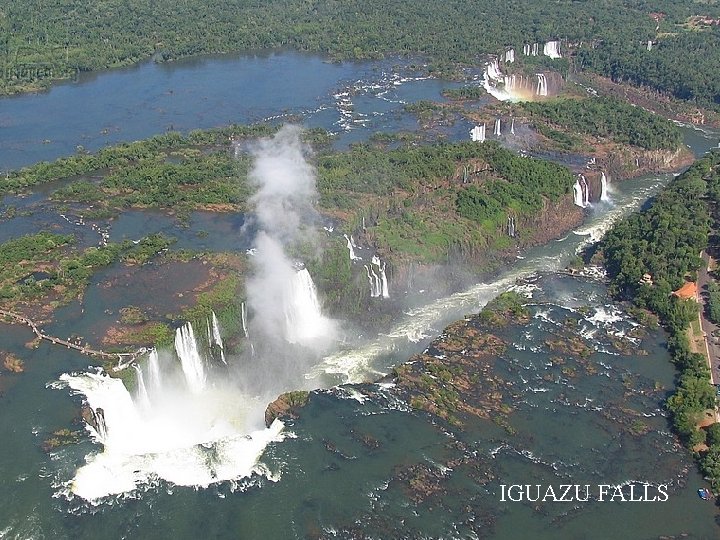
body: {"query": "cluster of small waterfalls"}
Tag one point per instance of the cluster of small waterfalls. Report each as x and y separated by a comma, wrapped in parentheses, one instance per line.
(551, 49)
(183, 423)
(581, 190)
(375, 271)
(477, 133)
(377, 278)
(513, 87)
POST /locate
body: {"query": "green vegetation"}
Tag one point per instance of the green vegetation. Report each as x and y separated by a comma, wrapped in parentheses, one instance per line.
(427, 201)
(713, 303)
(682, 63)
(472, 92)
(606, 117)
(503, 309)
(47, 265)
(665, 241)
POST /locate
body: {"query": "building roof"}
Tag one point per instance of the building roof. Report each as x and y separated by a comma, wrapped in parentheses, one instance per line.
(689, 290)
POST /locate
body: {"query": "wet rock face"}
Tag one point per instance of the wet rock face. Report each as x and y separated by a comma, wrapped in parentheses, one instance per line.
(286, 406)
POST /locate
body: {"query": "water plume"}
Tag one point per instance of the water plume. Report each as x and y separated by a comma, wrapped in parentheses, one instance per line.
(281, 293)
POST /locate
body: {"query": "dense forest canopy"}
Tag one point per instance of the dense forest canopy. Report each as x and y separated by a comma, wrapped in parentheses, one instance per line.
(611, 118)
(60, 37)
(665, 241)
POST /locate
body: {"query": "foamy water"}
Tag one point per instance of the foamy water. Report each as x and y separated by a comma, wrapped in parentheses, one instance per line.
(186, 439)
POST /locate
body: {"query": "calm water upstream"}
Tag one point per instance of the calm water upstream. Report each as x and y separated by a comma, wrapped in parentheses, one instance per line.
(324, 480)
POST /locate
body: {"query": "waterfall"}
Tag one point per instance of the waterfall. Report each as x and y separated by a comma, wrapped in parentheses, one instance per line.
(509, 82)
(192, 364)
(511, 226)
(374, 279)
(351, 248)
(496, 129)
(496, 84)
(184, 438)
(100, 424)
(303, 318)
(512, 126)
(382, 281)
(216, 338)
(510, 56)
(649, 45)
(243, 318)
(535, 49)
(153, 371)
(142, 393)
(542, 87)
(477, 133)
(363, 223)
(492, 70)
(585, 192)
(604, 188)
(552, 49)
(526, 49)
(580, 192)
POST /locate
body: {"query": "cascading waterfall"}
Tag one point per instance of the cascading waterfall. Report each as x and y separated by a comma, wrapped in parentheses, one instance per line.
(351, 248)
(580, 192)
(303, 317)
(217, 339)
(512, 126)
(542, 87)
(535, 49)
(384, 292)
(604, 196)
(511, 226)
(154, 374)
(649, 45)
(374, 279)
(192, 363)
(477, 133)
(526, 49)
(552, 49)
(243, 318)
(492, 70)
(142, 393)
(496, 129)
(167, 431)
(509, 82)
(586, 191)
(510, 56)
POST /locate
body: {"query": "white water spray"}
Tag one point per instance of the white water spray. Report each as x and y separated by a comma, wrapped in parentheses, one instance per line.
(542, 86)
(193, 365)
(477, 133)
(552, 49)
(604, 196)
(496, 129)
(304, 321)
(217, 338)
(351, 248)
